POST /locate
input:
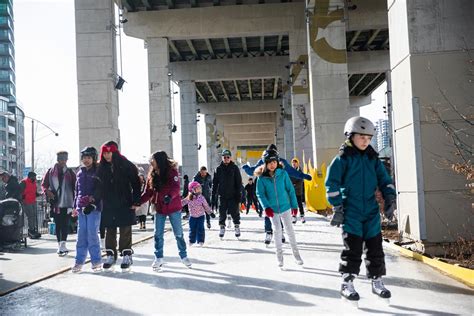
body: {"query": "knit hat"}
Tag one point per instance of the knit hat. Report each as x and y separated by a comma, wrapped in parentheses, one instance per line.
(62, 155)
(109, 147)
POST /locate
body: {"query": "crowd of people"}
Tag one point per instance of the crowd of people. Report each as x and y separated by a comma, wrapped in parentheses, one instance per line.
(109, 192)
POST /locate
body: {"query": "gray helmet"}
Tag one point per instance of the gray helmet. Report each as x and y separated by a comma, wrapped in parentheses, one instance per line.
(359, 125)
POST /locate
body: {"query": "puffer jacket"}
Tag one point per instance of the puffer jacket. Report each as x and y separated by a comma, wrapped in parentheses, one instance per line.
(86, 185)
(292, 172)
(206, 184)
(171, 188)
(351, 181)
(276, 192)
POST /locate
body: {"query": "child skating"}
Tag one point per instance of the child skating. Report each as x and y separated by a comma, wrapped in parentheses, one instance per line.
(277, 196)
(351, 182)
(198, 207)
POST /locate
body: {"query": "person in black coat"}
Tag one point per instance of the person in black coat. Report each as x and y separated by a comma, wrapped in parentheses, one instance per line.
(227, 187)
(12, 186)
(119, 188)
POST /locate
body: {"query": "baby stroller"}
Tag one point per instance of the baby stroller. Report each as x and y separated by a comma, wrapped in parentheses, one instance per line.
(12, 230)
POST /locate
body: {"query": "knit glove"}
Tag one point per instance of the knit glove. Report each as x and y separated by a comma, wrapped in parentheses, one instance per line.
(294, 211)
(338, 217)
(269, 212)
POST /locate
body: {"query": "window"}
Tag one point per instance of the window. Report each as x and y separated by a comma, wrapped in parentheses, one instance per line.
(3, 136)
(3, 123)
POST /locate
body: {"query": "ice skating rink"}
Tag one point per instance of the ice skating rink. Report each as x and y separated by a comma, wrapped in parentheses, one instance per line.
(242, 277)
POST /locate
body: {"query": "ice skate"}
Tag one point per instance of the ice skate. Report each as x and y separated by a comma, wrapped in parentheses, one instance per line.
(237, 231)
(96, 267)
(186, 262)
(109, 262)
(268, 238)
(379, 289)
(201, 244)
(303, 220)
(229, 221)
(208, 224)
(222, 232)
(298, 259)
(62, 250)
(126, 260)
(157, 265)
(348, 291)
(280, 258)
(294, 220)
(102, 243)
(283, 239)
(77, 268)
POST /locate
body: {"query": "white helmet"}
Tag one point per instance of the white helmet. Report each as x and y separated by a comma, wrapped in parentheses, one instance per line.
(359, 125)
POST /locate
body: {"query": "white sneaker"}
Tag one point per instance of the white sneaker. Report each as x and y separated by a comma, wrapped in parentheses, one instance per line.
(186, 262)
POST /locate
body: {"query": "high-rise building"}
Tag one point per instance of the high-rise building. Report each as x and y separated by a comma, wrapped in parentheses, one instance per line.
(12, 143)
(383, 134)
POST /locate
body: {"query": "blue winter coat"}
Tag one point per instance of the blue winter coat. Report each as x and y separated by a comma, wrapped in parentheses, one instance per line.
(86, 184)
(276, 192)
(292, 172)
(351, 181)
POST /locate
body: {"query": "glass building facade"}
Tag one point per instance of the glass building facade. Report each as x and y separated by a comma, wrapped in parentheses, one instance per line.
(12, 140)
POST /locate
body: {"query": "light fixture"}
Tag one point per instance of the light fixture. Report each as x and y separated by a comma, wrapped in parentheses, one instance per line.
(218, 146)
(119, 83)
(174, 128)
(123, 21)
(199, 146)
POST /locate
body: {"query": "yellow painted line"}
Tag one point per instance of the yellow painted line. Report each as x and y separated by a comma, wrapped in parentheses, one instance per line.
(461, 274)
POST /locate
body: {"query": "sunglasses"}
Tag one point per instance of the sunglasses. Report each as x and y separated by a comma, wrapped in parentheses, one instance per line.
(226, 157)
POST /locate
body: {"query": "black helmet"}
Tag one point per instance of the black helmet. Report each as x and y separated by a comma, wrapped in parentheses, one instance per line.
(269, 155)
(90, 152)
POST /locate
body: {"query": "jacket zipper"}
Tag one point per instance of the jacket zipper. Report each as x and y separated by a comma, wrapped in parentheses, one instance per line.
(276, 192)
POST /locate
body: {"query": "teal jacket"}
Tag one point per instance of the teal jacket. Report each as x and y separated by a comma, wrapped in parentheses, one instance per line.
(276, 192)
(351, 181)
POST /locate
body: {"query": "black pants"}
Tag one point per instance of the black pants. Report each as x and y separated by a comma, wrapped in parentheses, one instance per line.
(352, 254)
(142, 219)
(231, 207)
(61, 220)
(250, 200)
(299, 199)
(125, 239)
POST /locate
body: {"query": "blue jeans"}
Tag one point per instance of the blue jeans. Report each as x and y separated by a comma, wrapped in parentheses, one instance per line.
(87, 238)
(175, 220)
(196, 229)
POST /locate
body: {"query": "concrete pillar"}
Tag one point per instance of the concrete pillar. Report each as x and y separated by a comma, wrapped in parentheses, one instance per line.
(280, 137)
(159, 92)
(289, 150)
(211, 141)
(430, 47)
(330, 106)
(96, 72)
(300, 93)
(189, 141)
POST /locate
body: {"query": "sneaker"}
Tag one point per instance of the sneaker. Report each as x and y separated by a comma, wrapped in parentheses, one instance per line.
(303, 220)
(157, 264)
(222, 232)
(237, 231)
(379, 288)
(76, 268)
(186, 262)
(268, 238)
(347, 287)
(109, 260)
(294, 220)
(96, 267)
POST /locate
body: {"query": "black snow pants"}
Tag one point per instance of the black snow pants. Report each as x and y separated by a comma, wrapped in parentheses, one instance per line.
(231, 207)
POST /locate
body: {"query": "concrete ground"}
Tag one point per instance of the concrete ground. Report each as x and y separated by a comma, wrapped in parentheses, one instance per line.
(241, 277)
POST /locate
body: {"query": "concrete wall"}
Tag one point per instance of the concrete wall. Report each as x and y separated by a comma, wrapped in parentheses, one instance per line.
(430, 47)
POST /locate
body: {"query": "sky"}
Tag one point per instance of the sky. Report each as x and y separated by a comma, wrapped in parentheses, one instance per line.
(46, 82)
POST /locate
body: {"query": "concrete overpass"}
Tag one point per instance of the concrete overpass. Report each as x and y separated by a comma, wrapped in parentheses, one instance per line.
(292, 73)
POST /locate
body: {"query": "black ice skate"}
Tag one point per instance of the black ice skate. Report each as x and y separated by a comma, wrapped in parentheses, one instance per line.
(378, 288)
(109, 260)
(222, 232)
(348, 291)
(237, 231)
(126, 260)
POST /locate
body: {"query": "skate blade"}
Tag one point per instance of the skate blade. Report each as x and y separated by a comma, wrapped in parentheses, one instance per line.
(97, 270)
(158, 269)
(111, 269)
(126, 270)
(384, 300)
(354, 304)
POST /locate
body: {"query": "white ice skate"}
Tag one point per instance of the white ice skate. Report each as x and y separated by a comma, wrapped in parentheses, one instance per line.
(280, 259)
(127, 261)
(237, 231)
(348, 291)
(96, 267)
(186, 262)
(379, 289)
(298, 259)
(109, 262)
(268, 239)
(62, 250)
(77, 268)
(157, 265)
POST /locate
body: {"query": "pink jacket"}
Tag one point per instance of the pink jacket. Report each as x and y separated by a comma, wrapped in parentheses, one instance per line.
(197, 206)
(171, 188)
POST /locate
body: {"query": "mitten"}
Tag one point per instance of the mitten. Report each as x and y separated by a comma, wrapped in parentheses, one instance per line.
(269, 212)
(294, 211)
(390, 207)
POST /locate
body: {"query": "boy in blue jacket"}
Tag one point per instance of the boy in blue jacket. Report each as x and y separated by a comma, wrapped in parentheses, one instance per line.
(351, 182)
(277, 196)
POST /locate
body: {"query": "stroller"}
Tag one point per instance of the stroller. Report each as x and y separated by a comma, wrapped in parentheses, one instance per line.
(12, 230)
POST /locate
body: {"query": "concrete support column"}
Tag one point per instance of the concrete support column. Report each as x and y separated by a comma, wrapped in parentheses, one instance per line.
(289, 150)
(96, 72)
(189, 141)
(430, 47)
(211, 142)
(280, 137)
(300, 93)
(330, 106)
(160, 99)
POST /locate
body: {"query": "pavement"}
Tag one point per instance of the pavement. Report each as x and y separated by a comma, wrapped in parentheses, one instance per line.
(229, 276)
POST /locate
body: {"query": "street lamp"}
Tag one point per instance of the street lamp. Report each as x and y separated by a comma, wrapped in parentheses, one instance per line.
(33, 120)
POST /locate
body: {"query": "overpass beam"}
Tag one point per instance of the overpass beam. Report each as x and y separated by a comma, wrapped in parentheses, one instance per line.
(189, 141)
(159, 96)
(225, 108)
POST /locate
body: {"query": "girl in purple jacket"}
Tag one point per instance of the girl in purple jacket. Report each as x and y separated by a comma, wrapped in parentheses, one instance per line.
(163, 192)
(87, 208)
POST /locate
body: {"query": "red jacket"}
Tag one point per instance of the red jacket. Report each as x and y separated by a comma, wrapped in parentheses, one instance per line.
(29, 192)
(171, 188)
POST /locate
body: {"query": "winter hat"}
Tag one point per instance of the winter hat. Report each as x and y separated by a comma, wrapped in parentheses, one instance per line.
(272, 146)
(270, 155)
(31, 175)
(62, 155)
(193, 185)
(295, 159)
(226, 152)
(89, 152)
(109, 147)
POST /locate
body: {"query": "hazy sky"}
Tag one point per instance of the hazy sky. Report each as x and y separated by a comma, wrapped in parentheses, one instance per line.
(46, 84)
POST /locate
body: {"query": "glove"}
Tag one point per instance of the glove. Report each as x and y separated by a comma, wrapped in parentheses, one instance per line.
(269, 212)
(83, 201)
(390, 207)
(88, 209)
(307, 177)
(212, 215)
(338, 217)
(167, 199)
(294, 211)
